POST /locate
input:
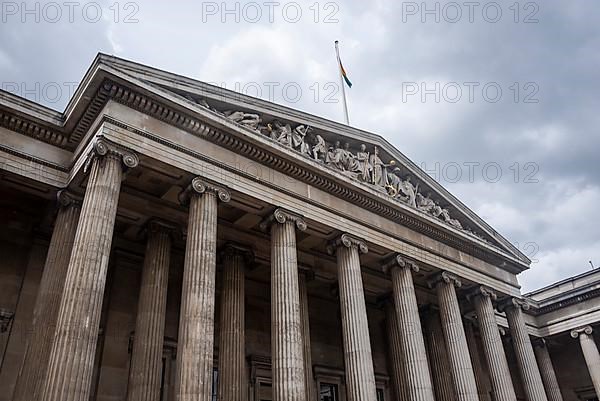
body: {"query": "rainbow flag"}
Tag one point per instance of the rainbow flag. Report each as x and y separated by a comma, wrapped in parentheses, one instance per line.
(344, 75)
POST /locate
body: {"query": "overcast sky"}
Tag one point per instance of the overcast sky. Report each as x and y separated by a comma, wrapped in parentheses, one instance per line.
(497, 100)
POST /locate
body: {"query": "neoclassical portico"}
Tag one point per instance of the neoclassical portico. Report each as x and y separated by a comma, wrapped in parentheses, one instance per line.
(196, 243)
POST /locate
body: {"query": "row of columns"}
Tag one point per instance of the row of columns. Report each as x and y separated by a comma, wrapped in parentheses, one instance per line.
(58, 365)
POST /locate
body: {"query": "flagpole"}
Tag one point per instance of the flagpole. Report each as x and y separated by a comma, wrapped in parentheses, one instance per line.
(337, 53)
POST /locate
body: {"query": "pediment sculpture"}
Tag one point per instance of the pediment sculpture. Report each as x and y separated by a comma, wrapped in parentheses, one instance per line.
(363, 165)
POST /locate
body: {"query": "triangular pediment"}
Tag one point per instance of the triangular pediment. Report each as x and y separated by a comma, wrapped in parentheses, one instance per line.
(348, 155)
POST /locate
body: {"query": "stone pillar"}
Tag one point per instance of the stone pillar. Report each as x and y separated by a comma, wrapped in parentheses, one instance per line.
(71, 362)
(31, 377)
(461, 367)
(232, 338)
(287, 348)
(146, 357)
(440, 366)
(547, 371)
(360, 375)
(590, 353)
(493, 349)
(530, 373)
(480, 379)
(412, 345)
(311, 388)
(193, 380)
(395, 350)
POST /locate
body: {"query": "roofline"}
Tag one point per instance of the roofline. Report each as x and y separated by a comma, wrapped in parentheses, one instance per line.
(564, 281)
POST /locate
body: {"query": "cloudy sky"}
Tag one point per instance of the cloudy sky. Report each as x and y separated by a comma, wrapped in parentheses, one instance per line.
(496, 100)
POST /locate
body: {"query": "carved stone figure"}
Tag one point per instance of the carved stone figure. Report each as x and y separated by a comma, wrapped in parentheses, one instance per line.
(282, 133)
(425, 203)
(334, 156)
(319, 151)
(379, 172)
(409, 192)
(299, 139)
(349, 160)
(248, 119)
(445, 216)
(364, 167)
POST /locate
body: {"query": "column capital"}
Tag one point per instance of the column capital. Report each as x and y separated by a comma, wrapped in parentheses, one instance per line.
(398, 261)
(482, 291)
(66, 198)
(235, 249)
(102, 147)
(156, 225)
(348, 241)
(283, 216)
(513, 302)
(444, 277)
(200, 186)
(582, 330)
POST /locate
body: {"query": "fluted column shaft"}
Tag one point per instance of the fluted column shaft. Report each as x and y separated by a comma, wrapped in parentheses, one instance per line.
(482, 390)
(414, 355)
(286, 321)
(590, 354)
(395, 351)
(71, 362)
(493, 349)
(530, 373)
(31, 377)
(197, 314)
(360, 376)
(311, 389)
(547, 371)
(440, 366)
(232, 351)
(146, 358)
(461, 367)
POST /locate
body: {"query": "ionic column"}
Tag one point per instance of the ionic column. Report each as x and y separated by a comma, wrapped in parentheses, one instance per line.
(31, 377)
(590, 354)
(547, 371)
(360, 376)
(530, 373)
(395, 350)
(440, 366)
(417, 381)
(482, 390)
(193, 380)
(232, 346)
(146, 357)
(71, 362)
(493, 349)
(287, 347)
(311, 389)
(461, 367)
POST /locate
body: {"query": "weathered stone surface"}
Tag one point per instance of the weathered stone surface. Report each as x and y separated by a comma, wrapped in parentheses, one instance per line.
(590, 354)
(542, 354)
(360, 376)
(70, 367)
(493, 349)
(196, 323)
(33, 371)
(461, 367)
(146, 358)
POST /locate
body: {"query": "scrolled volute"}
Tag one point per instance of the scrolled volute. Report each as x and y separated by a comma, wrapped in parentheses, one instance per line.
(399, 261)
(200, 186)
(102, 147)
(283, 216)
(582, 330)
(514, 302)
(444, 277)
(348, 241)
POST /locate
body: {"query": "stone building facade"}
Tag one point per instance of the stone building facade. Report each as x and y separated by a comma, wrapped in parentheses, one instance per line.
(165, 239)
